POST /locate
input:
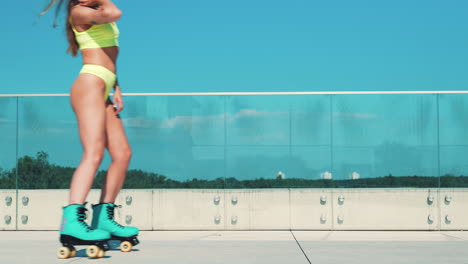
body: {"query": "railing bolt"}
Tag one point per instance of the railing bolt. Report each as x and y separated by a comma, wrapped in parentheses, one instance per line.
(448, 219)
(323, 199)
(129, 200)
(8, 200)
(128, 219)
(217, 219)
(24, 219)
(430, 199)
(7, 219)
(341, 199)
(323, 218)
(340, 219)
(25, 200)
(448, 198)
(430, 218)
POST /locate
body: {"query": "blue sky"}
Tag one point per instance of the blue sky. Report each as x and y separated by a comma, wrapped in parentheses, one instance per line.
(253, 45)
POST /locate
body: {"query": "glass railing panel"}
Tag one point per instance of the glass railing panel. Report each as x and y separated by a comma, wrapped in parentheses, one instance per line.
(310, 167)
(49, 148)
(310, 142)
(453, 129)
(257, 166)
(177, 141)
(194, 141)
(278, 141)
(253, 120)
(310, 120)
(385, 140)
(258, 149)
(8, 140)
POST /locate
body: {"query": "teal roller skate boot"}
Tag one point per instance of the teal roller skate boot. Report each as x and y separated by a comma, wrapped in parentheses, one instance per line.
(74, 231)
(103, 218)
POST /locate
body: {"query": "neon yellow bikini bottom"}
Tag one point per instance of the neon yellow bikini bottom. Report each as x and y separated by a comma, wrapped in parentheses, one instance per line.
(102, 72)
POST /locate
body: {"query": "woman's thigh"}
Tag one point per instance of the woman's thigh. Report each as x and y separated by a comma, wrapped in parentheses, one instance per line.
(87, 100)
(116, 139)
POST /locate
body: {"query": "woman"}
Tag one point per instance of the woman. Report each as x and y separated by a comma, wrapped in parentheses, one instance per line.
(91, 28)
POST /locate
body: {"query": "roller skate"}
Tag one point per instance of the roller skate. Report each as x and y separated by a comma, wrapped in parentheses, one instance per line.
(103, 218)
(74, 231)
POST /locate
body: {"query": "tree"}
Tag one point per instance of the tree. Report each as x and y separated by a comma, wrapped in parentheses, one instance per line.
(37, 173)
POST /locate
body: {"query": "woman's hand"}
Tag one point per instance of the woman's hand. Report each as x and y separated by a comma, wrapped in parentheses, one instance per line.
(118, 100)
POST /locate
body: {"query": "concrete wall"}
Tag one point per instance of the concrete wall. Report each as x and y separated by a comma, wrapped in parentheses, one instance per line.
(254, 209)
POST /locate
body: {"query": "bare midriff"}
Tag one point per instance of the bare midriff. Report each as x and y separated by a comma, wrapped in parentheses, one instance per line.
(105, 57)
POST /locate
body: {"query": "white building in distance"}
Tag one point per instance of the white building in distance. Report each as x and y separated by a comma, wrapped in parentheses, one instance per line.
(326, 175)
(280, 175)
(354, 176)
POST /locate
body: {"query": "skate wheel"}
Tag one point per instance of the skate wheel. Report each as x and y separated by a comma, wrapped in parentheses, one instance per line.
(73, 253)
(126, 246)
(101, 254)
(63, 253)
(93, 251)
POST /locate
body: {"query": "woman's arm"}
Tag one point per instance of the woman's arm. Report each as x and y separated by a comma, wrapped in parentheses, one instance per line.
(106, 12)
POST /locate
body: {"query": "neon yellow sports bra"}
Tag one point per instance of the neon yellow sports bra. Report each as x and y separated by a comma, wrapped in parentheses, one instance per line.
(98, 36)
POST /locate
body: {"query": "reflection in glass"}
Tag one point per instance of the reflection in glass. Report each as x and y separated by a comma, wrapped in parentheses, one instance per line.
(387, 136)
(8, 142)
(313, 163)
(453, 127)
(256, 162)
(49, 148)
(268, 141)
(310, 120)
(178, 138)
(258, 120)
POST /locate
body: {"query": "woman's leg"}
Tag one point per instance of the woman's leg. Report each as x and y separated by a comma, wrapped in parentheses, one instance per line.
(87, 100)
(120, 151)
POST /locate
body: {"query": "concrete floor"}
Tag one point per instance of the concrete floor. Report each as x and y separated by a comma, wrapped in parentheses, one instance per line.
(239, 247)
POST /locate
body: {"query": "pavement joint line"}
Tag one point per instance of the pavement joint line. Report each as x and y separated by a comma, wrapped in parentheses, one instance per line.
(217, 234)
(305, 255)
(453, 238)
(327, 236)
